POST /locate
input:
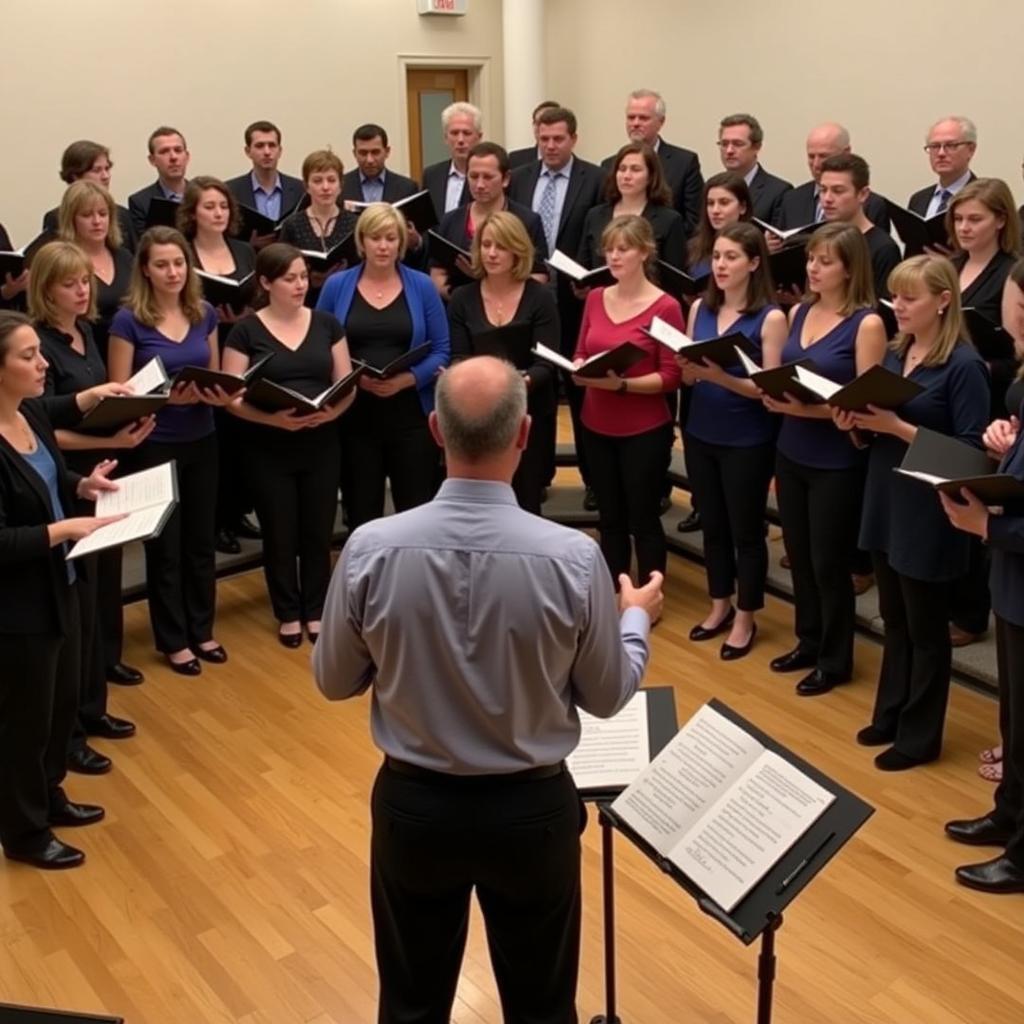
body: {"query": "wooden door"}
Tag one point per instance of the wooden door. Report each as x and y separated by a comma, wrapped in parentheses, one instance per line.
(428, 92)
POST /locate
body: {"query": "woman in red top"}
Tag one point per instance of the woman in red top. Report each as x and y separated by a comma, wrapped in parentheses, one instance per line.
(627, 427)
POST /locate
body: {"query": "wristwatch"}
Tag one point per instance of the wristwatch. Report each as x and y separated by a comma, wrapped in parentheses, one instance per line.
(623, 388)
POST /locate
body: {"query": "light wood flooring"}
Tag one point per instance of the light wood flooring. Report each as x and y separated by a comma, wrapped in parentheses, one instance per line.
(228, 883)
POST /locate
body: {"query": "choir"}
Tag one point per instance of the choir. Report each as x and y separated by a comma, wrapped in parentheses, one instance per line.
(321, 281)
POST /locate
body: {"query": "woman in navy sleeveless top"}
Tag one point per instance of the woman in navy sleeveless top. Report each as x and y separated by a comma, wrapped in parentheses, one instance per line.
(915, 551)
(818, 470)
(729, 436)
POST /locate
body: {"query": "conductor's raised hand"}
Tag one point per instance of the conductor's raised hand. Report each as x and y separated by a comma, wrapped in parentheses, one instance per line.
(648, 598)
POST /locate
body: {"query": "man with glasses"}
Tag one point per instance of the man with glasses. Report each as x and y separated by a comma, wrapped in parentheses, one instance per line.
(950, 145)
(739, 146)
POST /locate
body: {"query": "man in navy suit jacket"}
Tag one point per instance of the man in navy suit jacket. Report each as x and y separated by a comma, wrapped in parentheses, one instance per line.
(168, 153)
(531, 154)
(950, 145)
(645, 116)
(264, 188)
(740, 137)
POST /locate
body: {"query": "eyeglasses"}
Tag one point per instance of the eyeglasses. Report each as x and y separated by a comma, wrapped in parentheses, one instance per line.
(939, 147)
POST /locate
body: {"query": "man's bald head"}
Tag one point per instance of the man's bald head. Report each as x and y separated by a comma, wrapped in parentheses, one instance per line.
(481, 406)
(823, 141)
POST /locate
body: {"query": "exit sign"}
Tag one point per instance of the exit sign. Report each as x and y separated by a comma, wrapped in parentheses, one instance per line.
(456, 7)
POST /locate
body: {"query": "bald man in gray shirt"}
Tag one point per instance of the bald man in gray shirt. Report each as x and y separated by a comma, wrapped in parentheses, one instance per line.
(479, 629)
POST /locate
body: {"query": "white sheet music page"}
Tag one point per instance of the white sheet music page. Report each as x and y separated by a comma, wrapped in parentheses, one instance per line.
(152, 377)
(150, 488)
(612, 751)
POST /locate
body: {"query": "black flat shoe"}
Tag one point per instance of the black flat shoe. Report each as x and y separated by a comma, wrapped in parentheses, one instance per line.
(110, 728)
(818, 682)
(71, 815)
(84, 760)
(984, 831)
(893, 760)
(124, 675)
(215, 655)
(793, 661)
(247, 528)
(996, 876)
(54, 856)
(227, 543)
(589, 500)
(871, 736)
(731, 652)
(699, 632)
(665, 504)
(313, 634)
(186, 668)
(291, 640)
(690, 524)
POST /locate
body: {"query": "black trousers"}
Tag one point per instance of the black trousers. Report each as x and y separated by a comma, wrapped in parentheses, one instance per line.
(731, 485)
(1009, 796)
(574, 396)
(294, 480)
(913, 685)
(533, 473)
(180, 564)
(518, 844)
(971, 602)
(819, 509)
(627, 474)
(382, 440)
(234, 498)
(110, 600)
(92, 691)
(39, 676)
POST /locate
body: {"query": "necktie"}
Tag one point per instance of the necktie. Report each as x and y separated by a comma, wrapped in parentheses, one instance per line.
(944, 197)
(819, 213)
(373, 190)
(546, 210)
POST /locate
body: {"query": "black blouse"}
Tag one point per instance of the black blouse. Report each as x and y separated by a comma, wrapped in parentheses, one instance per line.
(298, 231)
(109, 297)
(669, 236)
(378, 336)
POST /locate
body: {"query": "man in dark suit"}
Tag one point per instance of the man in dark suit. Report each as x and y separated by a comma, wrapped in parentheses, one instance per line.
(645, 116)
(800, 206)
(950, 145)
(740, 137)
(462, 129)
(168, 153)
(264, 188)
(531, 154)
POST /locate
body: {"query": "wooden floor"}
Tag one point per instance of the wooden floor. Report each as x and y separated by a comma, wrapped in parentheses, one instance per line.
(229, 880)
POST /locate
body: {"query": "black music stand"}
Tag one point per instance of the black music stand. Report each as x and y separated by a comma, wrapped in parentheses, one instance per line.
(662, 725)
(759, 913)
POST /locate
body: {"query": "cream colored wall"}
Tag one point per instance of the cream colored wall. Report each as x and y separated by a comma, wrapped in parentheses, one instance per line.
(112, 70)
(884, 68)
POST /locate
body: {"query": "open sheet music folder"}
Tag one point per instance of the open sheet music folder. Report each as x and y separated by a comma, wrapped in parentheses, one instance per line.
(791, 869)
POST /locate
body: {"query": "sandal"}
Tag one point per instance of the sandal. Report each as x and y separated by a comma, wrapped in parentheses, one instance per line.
(991, 772)
(992, 755)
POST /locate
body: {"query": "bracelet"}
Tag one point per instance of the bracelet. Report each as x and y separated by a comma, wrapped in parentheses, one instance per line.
(623, 387)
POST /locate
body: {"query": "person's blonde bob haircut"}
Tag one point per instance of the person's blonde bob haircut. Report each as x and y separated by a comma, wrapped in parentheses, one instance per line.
(82, 197)
(846, 243)
(141, 297)
(53, 263)
(995, 195)
(935, 275)
(634, 233)
(377, 219)
(509, 233)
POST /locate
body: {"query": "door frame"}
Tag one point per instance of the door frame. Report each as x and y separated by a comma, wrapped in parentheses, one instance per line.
(478, 73)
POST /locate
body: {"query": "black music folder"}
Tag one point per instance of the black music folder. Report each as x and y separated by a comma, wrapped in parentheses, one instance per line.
(162, 213)
(917, 232)
(789, 267)
(614, 360)
(599, 277)
(225, 291)
(15, 261)
(446, 252)
(272, 397)
(948, 465)
(418, 210)
(780, 381)
(613, 751)
(876, 386)
(511, 342)
(232, 383)
(322, 260)
(255, 223)
(785, 234)
(112, 413)
(678, 283)
(723, 350)
(991, 340)
(736, 819)
(403, 362)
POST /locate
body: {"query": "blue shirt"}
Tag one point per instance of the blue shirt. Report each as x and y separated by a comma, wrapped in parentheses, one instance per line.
(819, 444)
(372, 188)
(268, 203)
(561, 179)
(718, 415)
(479, 628)
(42, 463)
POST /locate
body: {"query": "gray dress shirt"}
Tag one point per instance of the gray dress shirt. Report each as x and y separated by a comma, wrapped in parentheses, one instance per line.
(480, 628)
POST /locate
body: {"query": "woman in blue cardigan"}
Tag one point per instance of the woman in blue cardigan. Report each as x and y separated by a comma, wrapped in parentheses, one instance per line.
(388, 310)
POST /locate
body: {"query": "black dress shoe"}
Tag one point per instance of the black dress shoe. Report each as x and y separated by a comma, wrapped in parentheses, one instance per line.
(793, 661)
(817, 682)
(215, 655)
(54, 856)
(733, 652)
(110, 728)
(665, 504)
(690, 524)
(124, 675)
(893, 760)
(872, 736)
(313, 634)
(247, 528)
(227, 543)
(72, 815)
(699, 632)
(292, 640)
(590, 500)
(984, 831)
(995, 876)
(186, 668)
(86, 761)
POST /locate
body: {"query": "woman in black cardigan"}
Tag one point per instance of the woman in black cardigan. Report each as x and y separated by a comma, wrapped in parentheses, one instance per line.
(40, 646)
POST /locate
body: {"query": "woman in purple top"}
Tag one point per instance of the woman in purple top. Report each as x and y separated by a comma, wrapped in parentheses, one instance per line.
(165, 316)
(818, 470)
